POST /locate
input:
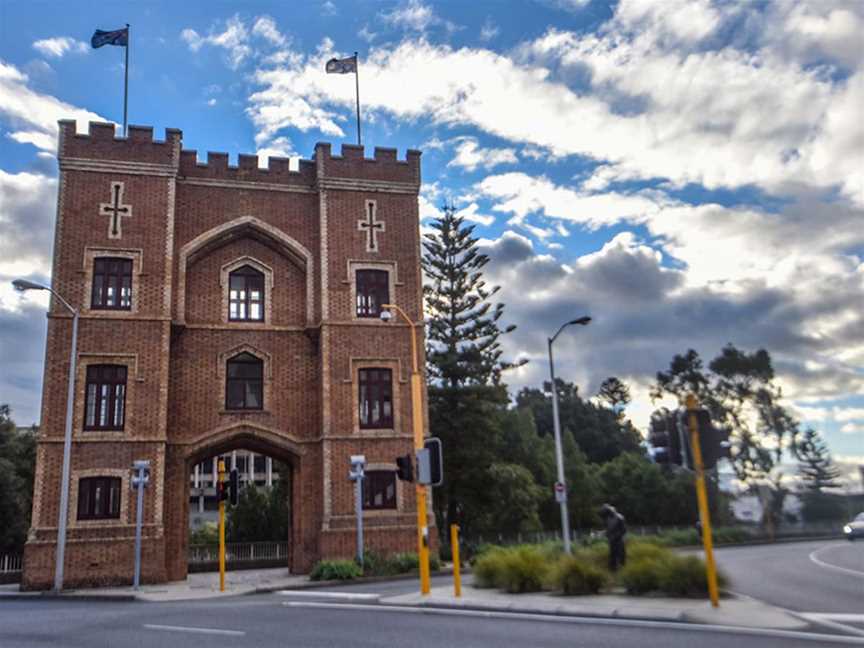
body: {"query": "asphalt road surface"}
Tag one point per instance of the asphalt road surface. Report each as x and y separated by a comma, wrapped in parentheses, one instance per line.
(818, 577)
(267, 620)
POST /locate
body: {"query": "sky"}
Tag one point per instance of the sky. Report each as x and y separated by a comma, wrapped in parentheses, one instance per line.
(689, 173)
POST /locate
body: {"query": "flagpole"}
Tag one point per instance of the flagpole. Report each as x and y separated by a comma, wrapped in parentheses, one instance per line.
(357, 94)
(126, 84)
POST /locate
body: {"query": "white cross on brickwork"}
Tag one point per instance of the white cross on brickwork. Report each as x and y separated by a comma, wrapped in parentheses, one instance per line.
(371, 226)
(116, 210)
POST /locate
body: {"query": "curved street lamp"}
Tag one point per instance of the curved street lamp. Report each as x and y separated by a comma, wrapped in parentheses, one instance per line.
(22, 285)
(561, 486)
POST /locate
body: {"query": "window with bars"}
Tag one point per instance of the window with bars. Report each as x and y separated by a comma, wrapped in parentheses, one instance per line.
(379, 490)
(373, 289)
(112, 284)
(376, 398)
(246, 295)
(105, 397)
(244, 384)
(98, 498)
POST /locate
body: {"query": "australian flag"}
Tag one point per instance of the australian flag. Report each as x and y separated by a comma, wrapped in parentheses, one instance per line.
(341, 66)
(116, 37)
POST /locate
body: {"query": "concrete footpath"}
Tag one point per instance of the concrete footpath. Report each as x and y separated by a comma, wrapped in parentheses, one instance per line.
(733, 611)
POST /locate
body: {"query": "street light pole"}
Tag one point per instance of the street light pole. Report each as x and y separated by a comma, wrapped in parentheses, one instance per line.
(559, 454)
(417, 418)
(60, 557)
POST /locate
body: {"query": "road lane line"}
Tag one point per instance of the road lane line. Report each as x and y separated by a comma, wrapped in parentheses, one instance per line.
(822, 563)
(342, 596)
(216, 631)
(819, 619)
(519, 616)
(838, 616)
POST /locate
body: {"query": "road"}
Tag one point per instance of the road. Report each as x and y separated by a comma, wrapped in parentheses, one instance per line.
(817, 577)
(271, 620)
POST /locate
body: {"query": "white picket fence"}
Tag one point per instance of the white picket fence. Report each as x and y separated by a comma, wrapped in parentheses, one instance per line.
(10, 563)
(239, 552)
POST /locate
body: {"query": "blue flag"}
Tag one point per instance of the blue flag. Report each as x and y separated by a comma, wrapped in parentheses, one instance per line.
(116, 37)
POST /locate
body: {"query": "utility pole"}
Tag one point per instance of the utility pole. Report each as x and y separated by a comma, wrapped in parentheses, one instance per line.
(221, 494)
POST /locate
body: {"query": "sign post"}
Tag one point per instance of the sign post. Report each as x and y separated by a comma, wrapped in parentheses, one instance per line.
(356, 474)
(139, 480)
(560, 496)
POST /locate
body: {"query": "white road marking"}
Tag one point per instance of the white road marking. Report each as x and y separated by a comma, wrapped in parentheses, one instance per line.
(829, 621)
(842, 570)
(342, 596)
(838, 616)
(518, 616)
(215, 631)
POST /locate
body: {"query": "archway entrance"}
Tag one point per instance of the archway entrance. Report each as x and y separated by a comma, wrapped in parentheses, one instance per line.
(257, 527)
(270, 466)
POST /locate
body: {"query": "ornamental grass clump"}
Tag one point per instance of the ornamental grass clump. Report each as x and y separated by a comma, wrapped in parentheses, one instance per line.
(335, 570)
(523, 569)
(574, 575)
(651, 568)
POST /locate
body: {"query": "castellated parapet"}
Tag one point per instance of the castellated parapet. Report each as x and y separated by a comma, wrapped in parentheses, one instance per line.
(102, 143)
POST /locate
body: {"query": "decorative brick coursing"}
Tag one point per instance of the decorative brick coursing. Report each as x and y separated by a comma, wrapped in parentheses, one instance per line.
(192, 223)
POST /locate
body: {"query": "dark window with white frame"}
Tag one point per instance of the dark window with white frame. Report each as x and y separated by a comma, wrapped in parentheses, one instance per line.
(246, 295)
(376, 398)
(379, 490)
(112, 284)
(373, 290)
(105, 397)
(244, 383)
(99, 498)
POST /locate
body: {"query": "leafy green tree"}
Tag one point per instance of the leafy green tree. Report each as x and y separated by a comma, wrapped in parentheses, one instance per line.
(466, 396)
(615, 393)
(262, 514)
(515, 506)
(17, 465)
(598, 431)
(739, 390)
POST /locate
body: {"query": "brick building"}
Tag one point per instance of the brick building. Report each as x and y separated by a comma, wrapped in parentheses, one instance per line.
(223, 308)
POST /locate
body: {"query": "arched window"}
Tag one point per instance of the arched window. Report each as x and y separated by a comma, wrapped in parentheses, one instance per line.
(246, 295)
(244, 384)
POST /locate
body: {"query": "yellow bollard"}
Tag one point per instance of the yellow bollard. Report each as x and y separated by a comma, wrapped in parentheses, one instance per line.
(702, 498)
(220, 489)
(454, 546)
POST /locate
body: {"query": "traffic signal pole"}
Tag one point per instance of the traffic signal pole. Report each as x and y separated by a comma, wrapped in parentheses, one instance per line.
(702, 497)
(417, 421)
(221, 489)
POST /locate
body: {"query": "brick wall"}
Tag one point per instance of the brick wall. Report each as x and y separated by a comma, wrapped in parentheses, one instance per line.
(190, 224)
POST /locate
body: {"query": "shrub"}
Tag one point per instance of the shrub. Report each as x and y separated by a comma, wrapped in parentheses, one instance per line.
(686, 576)
(641, 550)
(596, 554)
(335, 570)
(641, 576)
(574, 575)
(523, 569)
(488, 566)
(206, 534)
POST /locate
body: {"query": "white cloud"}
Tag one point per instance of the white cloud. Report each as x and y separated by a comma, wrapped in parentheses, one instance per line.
(265, 27)
(488, 31)
(412, 15)
(471, 213)
(57, 47)
(853, 428)
(279, 147)
(234, 39)
(470, 156)
(33, 116)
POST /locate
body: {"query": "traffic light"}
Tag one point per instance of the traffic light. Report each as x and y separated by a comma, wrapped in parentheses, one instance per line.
(714, 441)
(234, 486)
(430, 463)
(405, 468)
(665, 439)
(221, 491)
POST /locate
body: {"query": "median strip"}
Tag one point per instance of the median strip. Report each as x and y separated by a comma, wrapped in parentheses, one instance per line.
(340, 596)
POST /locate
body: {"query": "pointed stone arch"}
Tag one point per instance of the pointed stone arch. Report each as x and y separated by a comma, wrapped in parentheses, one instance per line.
(237, 228)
